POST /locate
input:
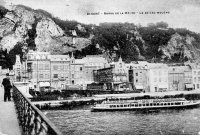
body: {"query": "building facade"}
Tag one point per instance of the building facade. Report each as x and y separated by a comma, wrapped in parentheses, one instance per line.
(157, 77)
(176, 78)
(82, 70)
(115, 77)
(105, 76)
(77, 73)
(138, 77)
(38, 67)
(61, 71)
(196, 76)
(59, 67)
(188, 78)
(17, 67)
(91, 63)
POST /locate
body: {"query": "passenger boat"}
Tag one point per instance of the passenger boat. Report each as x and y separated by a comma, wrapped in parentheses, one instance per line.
(144, 104)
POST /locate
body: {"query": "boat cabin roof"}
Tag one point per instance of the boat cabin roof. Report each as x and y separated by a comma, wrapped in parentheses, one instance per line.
(152, 94)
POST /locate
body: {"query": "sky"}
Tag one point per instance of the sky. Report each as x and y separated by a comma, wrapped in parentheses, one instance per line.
(177, 13)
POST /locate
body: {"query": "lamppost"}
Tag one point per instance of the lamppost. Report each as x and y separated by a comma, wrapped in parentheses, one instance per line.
(24, 58)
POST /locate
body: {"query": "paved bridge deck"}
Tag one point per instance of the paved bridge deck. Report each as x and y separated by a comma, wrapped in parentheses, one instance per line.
(8, 117)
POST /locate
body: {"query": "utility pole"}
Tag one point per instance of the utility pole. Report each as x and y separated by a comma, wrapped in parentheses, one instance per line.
(50, 74)
(24, 51)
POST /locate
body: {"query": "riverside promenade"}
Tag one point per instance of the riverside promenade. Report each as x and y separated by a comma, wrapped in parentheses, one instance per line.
(8, 117)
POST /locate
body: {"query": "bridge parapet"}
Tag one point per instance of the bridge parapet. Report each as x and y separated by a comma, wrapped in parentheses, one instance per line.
(31, 119)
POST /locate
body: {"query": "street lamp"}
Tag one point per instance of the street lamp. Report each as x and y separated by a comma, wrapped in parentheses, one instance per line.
(24, 58)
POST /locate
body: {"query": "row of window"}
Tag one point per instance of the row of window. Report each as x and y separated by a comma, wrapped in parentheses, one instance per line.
(47, 76)
(195, 72)
(60, 67)
(41, 76)
(195, 79)
(164, 72)
(46, 66)
(188, 80)
(60, 76)
(139, 80)
(37, 57)
(44, 76)
(46, 57)
(41, 66)
(137, 73)
(116, 71)
(148, 104)
(160, 79)
(120, 78)
(94, 64)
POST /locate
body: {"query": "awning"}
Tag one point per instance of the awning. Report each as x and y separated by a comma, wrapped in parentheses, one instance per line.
(52, 88)
(189, 86)
(139, 87)
(42, 84)
(118, 82)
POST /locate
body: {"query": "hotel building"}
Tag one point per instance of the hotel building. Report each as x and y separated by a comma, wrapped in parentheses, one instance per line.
(38, 66)
(157, 77)
(82, 70)
(59, 71)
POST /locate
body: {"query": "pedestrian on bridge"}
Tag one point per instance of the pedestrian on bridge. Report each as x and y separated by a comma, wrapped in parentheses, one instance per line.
(7, 87)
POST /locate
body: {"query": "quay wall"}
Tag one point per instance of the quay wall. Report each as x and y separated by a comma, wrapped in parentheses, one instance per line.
(65, 104)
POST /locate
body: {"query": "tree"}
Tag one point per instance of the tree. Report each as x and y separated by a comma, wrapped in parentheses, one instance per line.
(3, 62)
(3, 11)
(151, 25)
(162, 25)
(154, 38)
(17, 50)
(129, 52)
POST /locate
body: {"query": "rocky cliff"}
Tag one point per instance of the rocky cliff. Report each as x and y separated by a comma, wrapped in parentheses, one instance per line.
(39, 30)
(182, 45)
(21, 24)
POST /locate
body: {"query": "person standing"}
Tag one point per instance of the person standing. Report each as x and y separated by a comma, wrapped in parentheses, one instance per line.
(7, 87)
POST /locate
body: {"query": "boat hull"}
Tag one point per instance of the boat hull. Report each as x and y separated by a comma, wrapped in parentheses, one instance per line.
(188, 106)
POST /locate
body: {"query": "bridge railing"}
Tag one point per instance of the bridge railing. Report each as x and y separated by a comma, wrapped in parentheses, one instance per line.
(31, 119)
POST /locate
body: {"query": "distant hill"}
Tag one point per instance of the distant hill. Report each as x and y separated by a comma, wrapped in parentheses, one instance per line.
(155, 42)
(37, 29)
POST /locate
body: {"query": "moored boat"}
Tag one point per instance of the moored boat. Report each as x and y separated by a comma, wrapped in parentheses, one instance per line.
(145, 104)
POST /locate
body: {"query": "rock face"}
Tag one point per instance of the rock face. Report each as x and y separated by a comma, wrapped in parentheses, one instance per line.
(16, 25)
(48, 34)
(180, 45)
(174, 46)
(50, 37)
(6, 26)
(23, 25)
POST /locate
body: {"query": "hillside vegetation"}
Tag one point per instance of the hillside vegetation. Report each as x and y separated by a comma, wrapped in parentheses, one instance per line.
(38, 29)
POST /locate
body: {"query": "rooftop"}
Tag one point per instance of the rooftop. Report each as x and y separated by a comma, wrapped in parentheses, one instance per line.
(59, 58)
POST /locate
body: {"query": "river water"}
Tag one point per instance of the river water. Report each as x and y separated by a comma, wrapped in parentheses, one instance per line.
(81, 121)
